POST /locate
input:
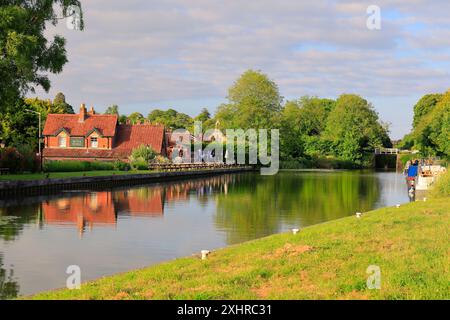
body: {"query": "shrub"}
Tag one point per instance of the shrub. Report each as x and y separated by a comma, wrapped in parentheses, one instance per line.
(138, 164)
(99, 166)
(10, 158)
(77, 166)
(161, 159)
(144, 152)
(121, 166)
(66, 166)
(29, 159)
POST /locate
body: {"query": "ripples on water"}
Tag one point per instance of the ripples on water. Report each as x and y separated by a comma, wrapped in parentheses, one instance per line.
(110, 231)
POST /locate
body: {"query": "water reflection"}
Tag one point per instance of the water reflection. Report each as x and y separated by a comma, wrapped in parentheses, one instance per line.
(300, 199)
(9, 288)
(127, 228)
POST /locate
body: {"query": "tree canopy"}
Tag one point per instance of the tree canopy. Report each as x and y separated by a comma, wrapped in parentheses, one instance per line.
(26, 55)
(171, 119)
(254, 102)
(431, 126)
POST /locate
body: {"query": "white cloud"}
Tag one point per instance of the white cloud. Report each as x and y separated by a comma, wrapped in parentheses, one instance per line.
(141, 52)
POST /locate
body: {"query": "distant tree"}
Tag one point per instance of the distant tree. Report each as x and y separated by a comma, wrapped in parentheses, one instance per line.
(123, 119)
(203, 116)
(114, 109)
(136, 118)
(60, 102)
(171, 119)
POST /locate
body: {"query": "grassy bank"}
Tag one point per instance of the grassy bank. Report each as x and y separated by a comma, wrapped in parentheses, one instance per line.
(58, 175)
(329, 261)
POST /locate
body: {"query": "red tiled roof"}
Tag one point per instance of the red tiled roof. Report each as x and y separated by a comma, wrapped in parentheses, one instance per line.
(127, 138)
(105, 124)
(132, 136)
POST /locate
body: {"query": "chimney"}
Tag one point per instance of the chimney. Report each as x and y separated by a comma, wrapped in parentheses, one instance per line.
(92, 111)
(82, 116)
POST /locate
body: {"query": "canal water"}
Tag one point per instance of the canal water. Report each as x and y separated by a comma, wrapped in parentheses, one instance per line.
(115, 230)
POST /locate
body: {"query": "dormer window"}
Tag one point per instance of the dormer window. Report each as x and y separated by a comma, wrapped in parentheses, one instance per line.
(62, 142)
(94, 142)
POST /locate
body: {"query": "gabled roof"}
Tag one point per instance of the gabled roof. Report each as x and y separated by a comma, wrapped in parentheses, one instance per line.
(127, 138)
(104, 124)
(132, 136)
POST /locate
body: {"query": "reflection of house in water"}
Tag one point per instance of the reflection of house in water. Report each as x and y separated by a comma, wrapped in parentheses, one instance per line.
(140, 202)
(86, 210)
(102, 208)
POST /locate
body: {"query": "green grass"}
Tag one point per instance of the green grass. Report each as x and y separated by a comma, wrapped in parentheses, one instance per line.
(442, 187)
(55, 175)
(329, 261)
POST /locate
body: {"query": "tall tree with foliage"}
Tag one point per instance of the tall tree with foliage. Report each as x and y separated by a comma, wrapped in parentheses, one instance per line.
(26, 55)
(354, 129)
(254, 102)
(424, 106)
(432, 134)
(20, 127)
(303, 121)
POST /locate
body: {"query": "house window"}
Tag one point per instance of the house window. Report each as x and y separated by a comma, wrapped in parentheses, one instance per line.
(62, 142)
(77, 142)
(94, 142)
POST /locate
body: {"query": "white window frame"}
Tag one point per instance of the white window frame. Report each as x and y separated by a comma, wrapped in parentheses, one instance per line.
(62, 142)
(94, 144)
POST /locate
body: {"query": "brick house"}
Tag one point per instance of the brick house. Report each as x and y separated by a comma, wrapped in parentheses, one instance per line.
(89, 136)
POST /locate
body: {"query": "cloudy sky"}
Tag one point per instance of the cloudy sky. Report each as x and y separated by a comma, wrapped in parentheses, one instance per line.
(143, 55)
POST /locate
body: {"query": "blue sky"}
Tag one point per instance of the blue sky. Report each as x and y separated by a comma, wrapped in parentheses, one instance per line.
(143, 55)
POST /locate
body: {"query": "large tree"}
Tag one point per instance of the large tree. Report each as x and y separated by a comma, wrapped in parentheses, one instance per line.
(303, 121)
(26, 55)
(254, 102)
(424, 106)
(354, 129)
(432, 133)
(20, 127)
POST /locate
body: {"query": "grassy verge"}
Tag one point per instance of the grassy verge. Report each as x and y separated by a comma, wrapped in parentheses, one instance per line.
(410, 244)
(55, 175)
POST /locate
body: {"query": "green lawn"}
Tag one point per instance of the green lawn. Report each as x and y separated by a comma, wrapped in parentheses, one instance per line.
(410, 244)
(54, 175)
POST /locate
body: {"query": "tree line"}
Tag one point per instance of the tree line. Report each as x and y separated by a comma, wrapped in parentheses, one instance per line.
(347, 129)
(430, 132)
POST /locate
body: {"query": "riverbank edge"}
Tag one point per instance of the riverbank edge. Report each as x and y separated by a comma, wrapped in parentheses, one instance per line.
(32, 187)
(285, 246)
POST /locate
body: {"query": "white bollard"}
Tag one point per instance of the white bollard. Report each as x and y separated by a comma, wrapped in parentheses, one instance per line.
(358, 215)
(295, 231)
(205, 254)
